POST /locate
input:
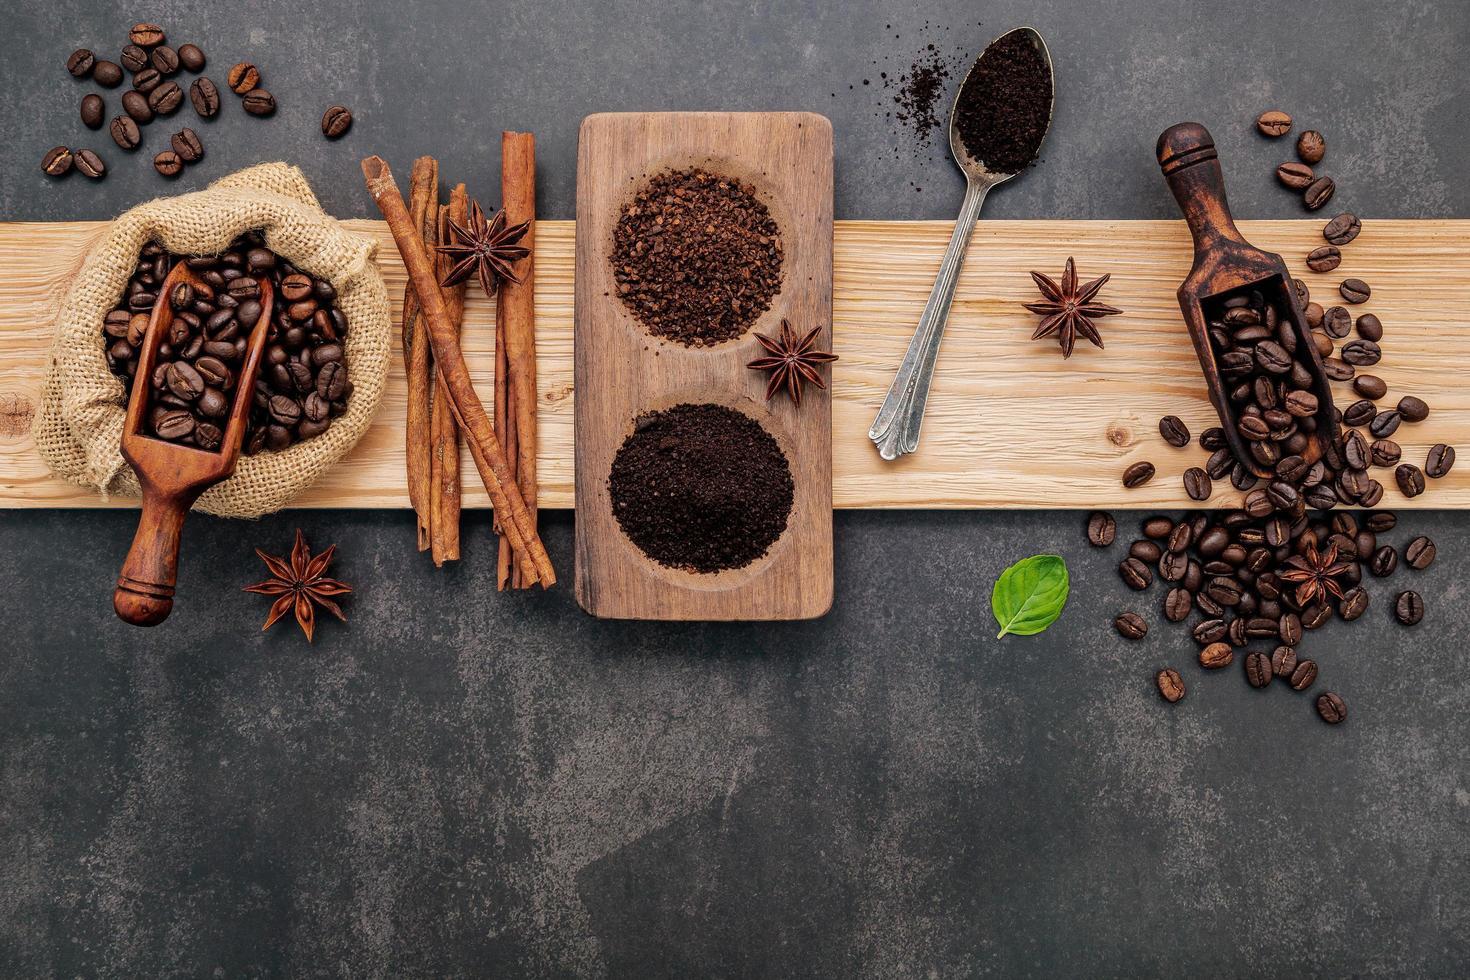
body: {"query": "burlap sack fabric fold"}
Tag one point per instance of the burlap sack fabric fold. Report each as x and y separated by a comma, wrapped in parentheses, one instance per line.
(79, 426)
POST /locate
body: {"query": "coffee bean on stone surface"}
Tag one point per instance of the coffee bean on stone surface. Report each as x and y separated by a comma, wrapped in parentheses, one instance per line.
(1303, 675)
(80, 62)
(1258, 669)
(89, 164)
(191, 56)
(1310, 146)
(166, 99)
(1297, 176)
(1135, 574)
(147, 80)
(164, 60)
(57, 162)
(187, 145)
(243, 77)
(134, 58)
(1178, 603)
(1213, 656)
(107, 74)
(146, 35)
(205, 97)
(1131, 625)
(1273, 123)
(1318, 193)
(92, 110)
(1355, 290)
(125, 133)
(1324, 259)
(259, 102)
(1148, 552)
(168, 163)
(135, 104)
(1353, 604)
(1420, 553)
(1342, 229)
(1410, 479)
(1138, 474)
(336, 121)
(1283, 661)
(1408, 608)
(1174, 431)
(1332, 708)
(1440, 461)
(1171, 685)
(1102, 529)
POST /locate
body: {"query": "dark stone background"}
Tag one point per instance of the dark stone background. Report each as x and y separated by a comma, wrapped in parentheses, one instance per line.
(512, 788)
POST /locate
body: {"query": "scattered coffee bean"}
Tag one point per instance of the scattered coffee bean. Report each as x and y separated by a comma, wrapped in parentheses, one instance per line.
(336, 121)
(1410, 480)
(1319, 193)
(259, 102)
(164, 60)
(1385, 452)
(1413, 409)
(1440, 461)
(1332, 708)
(134, 58)
(205, 97)
(125, 132)
(1213, 656)
(187, 145)
(1102, 529)
(1283, 661)
(147, 80)
(1408, 608)
(1324, 259)
(1337, 322)
(1310, 146)
(92, 110)
(1178, 603)
(1131, 625)
(1420, 553)
(1138, 474)
(1359, 413)
(1384, 562)
(1370, 327)
(1355, 290)
(1258, 669)
(1370, 386)
(1361, 353)
(1171, 685)
(166, 99)
(1197, 484)
(135, 104)
(57, 162)
(146, 35)
(1342, 229)
(1174, 431)
(1303, 675)
(1385, 424)
(80, 62)
(1135, 574)
(1273, 123)
(1353, 604)
(1297, 176)
(191, 57)
(89, 164)
(242, 78)
(168, 163)
(107, 74)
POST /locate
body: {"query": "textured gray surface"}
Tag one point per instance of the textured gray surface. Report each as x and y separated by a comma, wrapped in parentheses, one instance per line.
(515, 789)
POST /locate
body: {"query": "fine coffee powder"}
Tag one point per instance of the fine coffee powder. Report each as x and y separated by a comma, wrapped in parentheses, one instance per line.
(1004, 106)
(701, 488)
(697, 257)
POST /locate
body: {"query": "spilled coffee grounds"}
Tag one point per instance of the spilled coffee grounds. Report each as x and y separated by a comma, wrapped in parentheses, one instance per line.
(697, 257)
(701, 487)
(1005, 105)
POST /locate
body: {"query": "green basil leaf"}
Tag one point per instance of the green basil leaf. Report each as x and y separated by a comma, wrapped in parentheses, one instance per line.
(1029, 596)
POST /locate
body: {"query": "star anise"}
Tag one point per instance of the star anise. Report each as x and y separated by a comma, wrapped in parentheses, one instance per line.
(791, 361)
(1314, 573)
(298, 583)
(486, 249)
(1069, 308)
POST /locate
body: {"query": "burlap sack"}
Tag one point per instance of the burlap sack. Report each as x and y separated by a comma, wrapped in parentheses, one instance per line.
(79, 426)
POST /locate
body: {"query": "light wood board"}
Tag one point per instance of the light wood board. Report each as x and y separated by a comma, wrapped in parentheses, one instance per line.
(1009, 425)
(623, 372)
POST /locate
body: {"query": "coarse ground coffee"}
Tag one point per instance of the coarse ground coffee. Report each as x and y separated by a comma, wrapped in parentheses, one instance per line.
(1004, 107)
(701, 488)
(697, 257)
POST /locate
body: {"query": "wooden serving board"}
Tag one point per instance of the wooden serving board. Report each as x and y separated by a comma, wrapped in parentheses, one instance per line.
(623, 371)
(1009, 424)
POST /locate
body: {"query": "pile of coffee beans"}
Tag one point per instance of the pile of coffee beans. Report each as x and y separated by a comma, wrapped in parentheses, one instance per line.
(154, 93)
(701, 488)
(697, 256)
(1004, 106)
(1316, 189)
(303, 382)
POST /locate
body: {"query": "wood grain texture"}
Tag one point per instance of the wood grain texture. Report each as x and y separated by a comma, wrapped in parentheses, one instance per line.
(622, 371)
(1009, 425)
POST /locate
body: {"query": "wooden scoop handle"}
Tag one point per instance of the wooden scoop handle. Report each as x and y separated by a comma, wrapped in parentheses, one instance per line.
(1186, 153)
(145, 588)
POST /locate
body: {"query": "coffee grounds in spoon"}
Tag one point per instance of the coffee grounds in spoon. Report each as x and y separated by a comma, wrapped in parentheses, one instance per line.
(701, 488)
(1005, 105)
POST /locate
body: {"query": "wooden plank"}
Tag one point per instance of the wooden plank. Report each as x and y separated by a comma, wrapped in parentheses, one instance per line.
(1010, 424)
(622, 372)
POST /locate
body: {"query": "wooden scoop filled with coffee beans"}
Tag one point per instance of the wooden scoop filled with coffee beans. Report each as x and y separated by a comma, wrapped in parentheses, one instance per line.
(186, 420)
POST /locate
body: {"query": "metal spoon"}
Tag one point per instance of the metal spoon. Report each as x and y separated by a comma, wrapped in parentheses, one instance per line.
(896, 429)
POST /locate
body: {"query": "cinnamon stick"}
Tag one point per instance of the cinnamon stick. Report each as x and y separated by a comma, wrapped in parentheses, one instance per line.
(423, 210)
(444, 482)
(515, 318)
(495, 471)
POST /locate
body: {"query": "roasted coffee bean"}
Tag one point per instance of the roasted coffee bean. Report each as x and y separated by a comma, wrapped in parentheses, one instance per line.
(89, 164)
(1410, 479)
(134, 58)
(107, 74)
(1385, 560)
(1337, 322)
(259, 102)
(1197, 484)
(1440, 461)
(1225, 591)
(1318, 193)
(285, 411)
(331, 382)
(183, 381)
(168, 163)
(1313, 313)
(80, 62)
(57, 162)
(1273, 123)
(1283, 495)
(191, 57)
(1381, 521)
(1289, 629)
(1135, 574)
(1146, 551)
(1254, 428)
(164, 59)
(1370, 386)
(1174, 431)
(1370, 327)
(174, 425)
(243, 77)
(1337, 369)
(1408, 608)
(1361, 353)
(1354, 290)
(1359, 413)
(135, 104)
(1283, 661)
(1177, 604)
(336, 121)
(1420, 553)
(1342, 229)
(1180, 537)
(1355, 450)
(207, 435)
(1310, 146)
(147, 80)
(92, 110)
(187, 145)
(1258, 669)
(1101, 527)
(213, 404)
(1385, 452)
(1272, 357)
(1324, 259)
(1159, 527)
(1353, 604)
(1315, 617)
(1372, 496)
(1220, 463)
(125, 133)
(1297, 176)
(166, 99)
(1216, 655)
(1210, 631)
(1173, 566)
(1171, 685)
(1138, 474)
(1331, 707)
(1413, 409)
(1303, 675)
(1260, 627)
(146, 35)
(1131, 625)
(1301, 404)
(1385, 424)
(205, 97)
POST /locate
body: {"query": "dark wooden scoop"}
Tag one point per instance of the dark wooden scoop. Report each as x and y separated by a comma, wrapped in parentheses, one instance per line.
(173, 475)
(1225, 263)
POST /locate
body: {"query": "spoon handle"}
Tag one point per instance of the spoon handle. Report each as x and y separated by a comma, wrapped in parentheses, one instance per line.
(896, 429)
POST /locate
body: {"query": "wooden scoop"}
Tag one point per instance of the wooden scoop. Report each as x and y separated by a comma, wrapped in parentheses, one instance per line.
(173, 475)
(1225, 263)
